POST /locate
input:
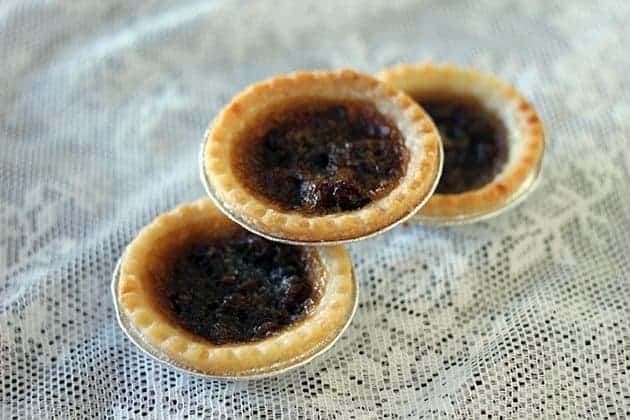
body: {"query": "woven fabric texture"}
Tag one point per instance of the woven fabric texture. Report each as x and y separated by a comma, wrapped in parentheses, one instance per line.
(102, 109)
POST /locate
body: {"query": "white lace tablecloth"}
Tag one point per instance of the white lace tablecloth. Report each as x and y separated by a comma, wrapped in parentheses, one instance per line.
(102, 109)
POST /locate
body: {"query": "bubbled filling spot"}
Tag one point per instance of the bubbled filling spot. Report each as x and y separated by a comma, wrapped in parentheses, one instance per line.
(474, 140)
(239, 289)
(324, 158)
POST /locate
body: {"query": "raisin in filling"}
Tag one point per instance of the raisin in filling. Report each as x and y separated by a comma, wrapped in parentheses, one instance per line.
(239, 289)
(325, 158)
(474, 141)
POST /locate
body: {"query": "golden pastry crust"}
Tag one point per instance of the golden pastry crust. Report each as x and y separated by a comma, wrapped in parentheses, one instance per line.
(525, 137)
(250, 107)
(148, 255)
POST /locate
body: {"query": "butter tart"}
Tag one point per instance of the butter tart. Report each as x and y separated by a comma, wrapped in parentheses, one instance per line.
(320, 157)
(492, 137)
(215, 299)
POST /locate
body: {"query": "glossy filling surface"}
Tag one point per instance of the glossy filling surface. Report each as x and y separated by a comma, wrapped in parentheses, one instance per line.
(474, 140)
(240, 289)
(323, 158)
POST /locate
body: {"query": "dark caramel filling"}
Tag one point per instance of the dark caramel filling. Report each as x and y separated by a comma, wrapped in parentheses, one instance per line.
(240, 289)
(474, 140)
(324, 158)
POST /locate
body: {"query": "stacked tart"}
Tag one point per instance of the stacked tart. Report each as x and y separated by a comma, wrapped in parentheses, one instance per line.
(254, 281)
(321, 157)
